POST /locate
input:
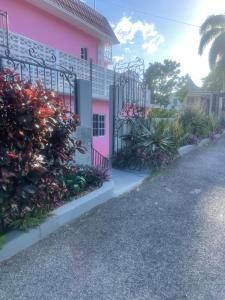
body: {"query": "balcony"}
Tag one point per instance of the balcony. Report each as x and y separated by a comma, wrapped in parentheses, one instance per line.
(101, 77)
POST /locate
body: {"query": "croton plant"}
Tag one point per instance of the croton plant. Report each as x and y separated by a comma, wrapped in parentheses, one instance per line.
(37, 146)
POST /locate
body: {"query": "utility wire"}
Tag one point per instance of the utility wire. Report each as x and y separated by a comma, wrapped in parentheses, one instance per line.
(155, 16)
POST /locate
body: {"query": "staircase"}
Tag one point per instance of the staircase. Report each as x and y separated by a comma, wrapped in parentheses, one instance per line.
(98, 160)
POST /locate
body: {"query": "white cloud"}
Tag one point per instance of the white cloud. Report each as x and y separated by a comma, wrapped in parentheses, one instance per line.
(152, 45)
(112, 24)
(118, 58)
(126, 31)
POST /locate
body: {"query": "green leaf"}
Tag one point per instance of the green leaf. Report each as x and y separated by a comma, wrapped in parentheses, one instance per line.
(2, 241)
(30, 220)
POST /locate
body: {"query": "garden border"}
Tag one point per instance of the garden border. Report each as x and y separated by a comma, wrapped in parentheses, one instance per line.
(189, 148)
(16, 241)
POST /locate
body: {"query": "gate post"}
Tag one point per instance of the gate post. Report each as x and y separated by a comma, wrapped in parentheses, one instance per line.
(220, 110)
(111, 120)
(210, 104)
(115, 109)
(84, 109)
(1, 64)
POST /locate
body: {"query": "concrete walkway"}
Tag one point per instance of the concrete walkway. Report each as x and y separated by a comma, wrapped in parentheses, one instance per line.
(164, 240)
(127, 180)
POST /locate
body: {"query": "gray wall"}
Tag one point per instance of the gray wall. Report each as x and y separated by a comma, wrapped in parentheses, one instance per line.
(84, 131)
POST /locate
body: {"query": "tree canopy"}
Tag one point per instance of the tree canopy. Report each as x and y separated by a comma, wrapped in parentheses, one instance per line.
(213, 82)
(164, 79)
(212, 32)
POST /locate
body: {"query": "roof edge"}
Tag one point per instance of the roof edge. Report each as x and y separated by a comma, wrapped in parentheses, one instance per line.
(73, 20)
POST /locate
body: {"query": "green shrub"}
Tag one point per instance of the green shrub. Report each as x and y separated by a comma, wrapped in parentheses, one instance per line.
(80, 178)
(2, 241)
(162, 113)
(179, 133)
(149, 143)
(29, 219)
(36, 147)
(213, 123)
(75, 183)
(194, 122)
(94, 176)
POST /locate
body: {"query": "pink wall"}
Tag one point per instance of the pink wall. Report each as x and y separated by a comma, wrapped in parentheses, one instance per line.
(101, 143)
(30, 21)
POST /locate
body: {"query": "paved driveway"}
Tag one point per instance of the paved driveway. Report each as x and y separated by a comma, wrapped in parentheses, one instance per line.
(165, 240)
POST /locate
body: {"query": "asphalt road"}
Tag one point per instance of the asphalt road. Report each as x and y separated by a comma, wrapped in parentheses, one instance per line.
(165, 240)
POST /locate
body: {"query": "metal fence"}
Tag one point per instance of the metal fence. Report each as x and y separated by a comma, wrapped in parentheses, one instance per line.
(98, 160)
(100, 76)
(129, 99)
(33, 68)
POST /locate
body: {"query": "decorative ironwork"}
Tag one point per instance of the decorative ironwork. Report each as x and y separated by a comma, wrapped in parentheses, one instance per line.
(124, 71)
(129, 101)
(102, 78)
(39, 60)
(4, 29)
(53, 77)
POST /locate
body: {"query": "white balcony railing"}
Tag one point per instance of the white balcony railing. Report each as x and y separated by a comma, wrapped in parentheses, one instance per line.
(102, 78)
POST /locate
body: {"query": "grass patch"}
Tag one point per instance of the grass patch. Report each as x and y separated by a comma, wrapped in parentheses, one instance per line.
(30, 220)
(2, 241)
(155, 172)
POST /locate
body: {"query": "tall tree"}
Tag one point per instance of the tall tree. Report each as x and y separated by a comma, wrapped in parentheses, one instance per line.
(164, 80)
(212, 32)
(213, 82)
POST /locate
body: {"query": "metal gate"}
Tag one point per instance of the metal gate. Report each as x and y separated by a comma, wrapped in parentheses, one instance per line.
(53, 77)
(129, 99)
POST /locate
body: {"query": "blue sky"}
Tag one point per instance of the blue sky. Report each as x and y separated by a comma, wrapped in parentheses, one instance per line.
(154, 39)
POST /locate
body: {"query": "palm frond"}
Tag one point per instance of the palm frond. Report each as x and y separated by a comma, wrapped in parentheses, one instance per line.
(207, 37)
(213, 21)
(217, 51)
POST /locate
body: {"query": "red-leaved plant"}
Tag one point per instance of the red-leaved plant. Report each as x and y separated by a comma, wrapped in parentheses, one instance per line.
(37, 145)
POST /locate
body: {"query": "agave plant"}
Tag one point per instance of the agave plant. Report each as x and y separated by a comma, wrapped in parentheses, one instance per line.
(150, 142)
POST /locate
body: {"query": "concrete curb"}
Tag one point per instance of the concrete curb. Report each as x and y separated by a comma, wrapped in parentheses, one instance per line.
(204, 142)
(128, 188)
(188, 148)
(16, 241)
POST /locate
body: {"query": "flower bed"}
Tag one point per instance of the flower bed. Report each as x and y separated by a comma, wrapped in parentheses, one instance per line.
(154, 141)
(37, 148)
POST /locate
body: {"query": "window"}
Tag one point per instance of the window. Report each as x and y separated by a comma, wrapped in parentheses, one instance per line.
(84, 53)
(98, 125)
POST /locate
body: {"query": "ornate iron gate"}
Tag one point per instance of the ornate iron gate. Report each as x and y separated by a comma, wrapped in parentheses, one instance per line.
(52, 76)
(129, 99)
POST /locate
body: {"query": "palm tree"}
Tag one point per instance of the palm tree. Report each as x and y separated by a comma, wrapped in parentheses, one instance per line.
(213, 31)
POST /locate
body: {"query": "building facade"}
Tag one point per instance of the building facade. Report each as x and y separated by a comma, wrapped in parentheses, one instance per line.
(70, 34)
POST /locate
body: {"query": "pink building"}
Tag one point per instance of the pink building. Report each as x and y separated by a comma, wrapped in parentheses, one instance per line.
(75, 34)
